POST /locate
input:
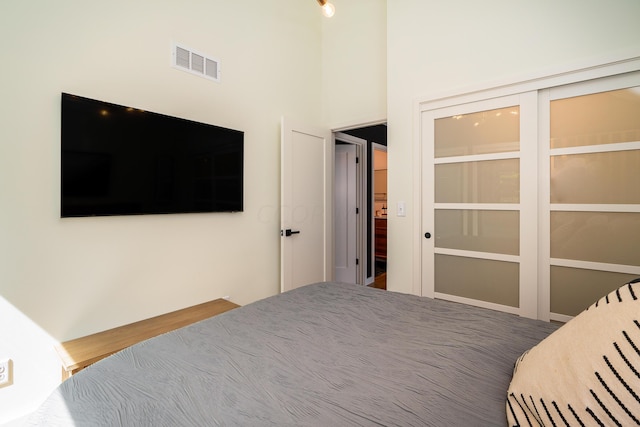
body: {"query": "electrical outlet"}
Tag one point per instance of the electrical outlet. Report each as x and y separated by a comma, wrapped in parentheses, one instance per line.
(5, 372)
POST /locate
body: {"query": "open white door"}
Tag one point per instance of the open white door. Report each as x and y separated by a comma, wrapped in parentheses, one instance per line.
(306, 243)
(351, 210)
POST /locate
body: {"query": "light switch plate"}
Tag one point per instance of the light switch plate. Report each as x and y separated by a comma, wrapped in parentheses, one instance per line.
(401, 209)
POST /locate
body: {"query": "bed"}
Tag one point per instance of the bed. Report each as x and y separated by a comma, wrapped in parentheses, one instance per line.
(326, 354)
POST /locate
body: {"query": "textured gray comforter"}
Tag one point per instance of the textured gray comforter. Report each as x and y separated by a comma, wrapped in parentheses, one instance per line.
(323, 355)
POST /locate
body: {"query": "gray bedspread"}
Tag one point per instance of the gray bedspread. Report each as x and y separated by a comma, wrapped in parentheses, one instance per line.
(326, 354)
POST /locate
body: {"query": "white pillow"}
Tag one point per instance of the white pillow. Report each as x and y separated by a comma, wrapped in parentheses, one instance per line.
(585, 373)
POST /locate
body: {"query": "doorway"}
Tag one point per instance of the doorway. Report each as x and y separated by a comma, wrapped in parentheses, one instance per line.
(380, 215)
(375, 141)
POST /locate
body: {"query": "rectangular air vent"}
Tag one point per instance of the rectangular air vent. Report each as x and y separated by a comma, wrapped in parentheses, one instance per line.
(193, 62)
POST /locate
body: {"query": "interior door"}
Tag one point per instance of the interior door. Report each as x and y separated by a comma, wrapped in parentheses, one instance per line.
(306, 242)
(346, 213)
(479, 204)
(591, 203)
(546, 177)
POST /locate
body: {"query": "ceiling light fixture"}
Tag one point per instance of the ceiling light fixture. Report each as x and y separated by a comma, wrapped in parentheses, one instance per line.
(327, 8)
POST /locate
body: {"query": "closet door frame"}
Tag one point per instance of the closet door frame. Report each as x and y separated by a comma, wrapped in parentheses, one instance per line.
(535, 84)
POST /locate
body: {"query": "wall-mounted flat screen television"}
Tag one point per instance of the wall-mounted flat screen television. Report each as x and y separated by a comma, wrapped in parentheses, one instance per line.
(119, 160)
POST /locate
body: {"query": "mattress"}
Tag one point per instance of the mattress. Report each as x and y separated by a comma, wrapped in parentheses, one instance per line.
(326, 354)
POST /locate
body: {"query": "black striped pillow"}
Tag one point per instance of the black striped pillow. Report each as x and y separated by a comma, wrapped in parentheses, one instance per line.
(587, 372)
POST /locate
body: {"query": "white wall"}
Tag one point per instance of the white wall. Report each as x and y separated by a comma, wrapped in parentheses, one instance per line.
(440, 48)
(64, 278)
(354, 58)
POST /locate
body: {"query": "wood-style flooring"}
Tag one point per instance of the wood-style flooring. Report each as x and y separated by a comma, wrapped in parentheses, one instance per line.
(380, 281)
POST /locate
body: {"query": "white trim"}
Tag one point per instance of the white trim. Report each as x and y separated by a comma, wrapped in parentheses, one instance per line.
(629, 79)
(559, 317)
(424, 267)
(600, 266)
(594, 208)
(477, 255)
(529, 231)
(379, 147)
(477, 157)
(418, 222)
(544, 197)
(558, 76)
(602, 148)
(357, 124)
(478, 303)
(479, 206)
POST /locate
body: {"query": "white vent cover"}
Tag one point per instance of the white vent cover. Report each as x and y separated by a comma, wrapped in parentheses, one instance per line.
(188, 60)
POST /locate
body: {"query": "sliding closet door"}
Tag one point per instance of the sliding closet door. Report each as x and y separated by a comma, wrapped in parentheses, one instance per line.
(479, 203)
(591, 133)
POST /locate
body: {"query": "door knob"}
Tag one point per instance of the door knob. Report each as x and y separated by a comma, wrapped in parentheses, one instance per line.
(288, 232)
(427, 235)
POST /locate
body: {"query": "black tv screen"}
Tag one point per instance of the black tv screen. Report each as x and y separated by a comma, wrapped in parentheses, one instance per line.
(119, 160)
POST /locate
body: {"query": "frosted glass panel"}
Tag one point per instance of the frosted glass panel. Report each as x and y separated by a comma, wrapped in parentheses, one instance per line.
(492, 181)
(601, 118)
(608, 237)
(486, 280)
(606, 178)
(492, 131)
(573, 289)
(478, 230)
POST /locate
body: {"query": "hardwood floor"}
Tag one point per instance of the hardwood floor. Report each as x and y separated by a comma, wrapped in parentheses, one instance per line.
(380, 281)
